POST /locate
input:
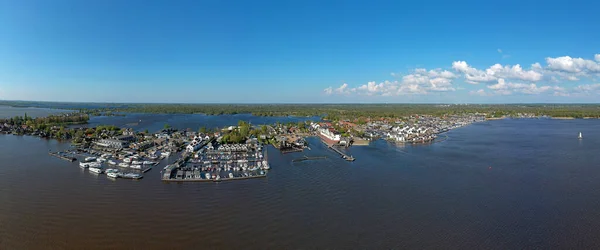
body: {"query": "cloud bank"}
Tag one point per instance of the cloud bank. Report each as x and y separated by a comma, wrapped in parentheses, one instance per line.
(498, 79)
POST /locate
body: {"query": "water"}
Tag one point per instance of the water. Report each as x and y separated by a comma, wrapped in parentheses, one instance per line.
(508, 184)
(9, 112)
(156, 122)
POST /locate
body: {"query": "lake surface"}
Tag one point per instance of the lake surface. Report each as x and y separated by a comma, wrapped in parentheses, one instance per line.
(9, 112)
(156, 122)
(507, 184)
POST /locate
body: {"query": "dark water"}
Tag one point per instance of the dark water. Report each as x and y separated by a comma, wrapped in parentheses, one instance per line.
(509, 184)
(156, 122)
(9, 112)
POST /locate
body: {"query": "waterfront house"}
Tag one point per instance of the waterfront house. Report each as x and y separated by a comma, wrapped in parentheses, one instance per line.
(112, 143)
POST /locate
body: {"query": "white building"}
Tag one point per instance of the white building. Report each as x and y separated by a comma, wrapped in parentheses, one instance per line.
(330, 135)
(194, 145)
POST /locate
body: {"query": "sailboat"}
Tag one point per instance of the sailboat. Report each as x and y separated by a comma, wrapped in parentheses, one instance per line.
(580, 136)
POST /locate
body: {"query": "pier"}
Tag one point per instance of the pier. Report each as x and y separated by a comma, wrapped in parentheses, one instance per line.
(213, 180)
(344, 156)
(57, 155)
(307, 158)
(290, 150)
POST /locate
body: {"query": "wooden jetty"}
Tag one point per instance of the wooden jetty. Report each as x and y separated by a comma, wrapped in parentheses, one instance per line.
(57, 155)
(290, 150)
(214, 180)
(306, 158)
(344, 156)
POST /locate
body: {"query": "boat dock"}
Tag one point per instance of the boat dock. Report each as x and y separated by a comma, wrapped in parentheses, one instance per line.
(344, 156)
(306, 158)
(57, 155)
(213, 180)
(290, 150)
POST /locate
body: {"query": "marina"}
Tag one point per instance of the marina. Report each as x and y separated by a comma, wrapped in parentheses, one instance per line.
(220, 162)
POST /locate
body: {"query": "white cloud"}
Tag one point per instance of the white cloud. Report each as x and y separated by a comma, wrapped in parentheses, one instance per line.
(420, 81)
(343, 89)
(587, 88)
(503, 88)
(500, 51)
(573, 65)
(479, 92)
(514, 72)
(474, 76)
(500, 79)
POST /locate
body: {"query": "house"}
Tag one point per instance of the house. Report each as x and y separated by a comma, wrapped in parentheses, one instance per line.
(128, 131)
(128, 138)
(193, 146)
(112, 143)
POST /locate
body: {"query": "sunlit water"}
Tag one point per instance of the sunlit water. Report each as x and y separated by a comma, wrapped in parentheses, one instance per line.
(508, 184)
(9, 112)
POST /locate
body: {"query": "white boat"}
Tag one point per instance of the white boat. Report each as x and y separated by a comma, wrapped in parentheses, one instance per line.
(580, 136)
(218, 178)
(123, 165)
(136, 166)
(111, 162)
(128, 160)
(132, 176)
(136, 162)
(266, 165)
(90, 158)
(100, 160)
(207, 175)
(84, 165)
(165, 154)
(112, 175)
(96, 170)
(111, 170)
(230, 175)
(148, 162)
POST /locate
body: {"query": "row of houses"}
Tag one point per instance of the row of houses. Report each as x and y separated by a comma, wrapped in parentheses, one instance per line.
(406, 133)
(196, 143)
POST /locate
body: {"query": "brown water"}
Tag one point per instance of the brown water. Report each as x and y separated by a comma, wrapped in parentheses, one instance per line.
(542, 191)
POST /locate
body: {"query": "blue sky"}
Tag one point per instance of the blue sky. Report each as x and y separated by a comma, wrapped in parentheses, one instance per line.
(300, 51)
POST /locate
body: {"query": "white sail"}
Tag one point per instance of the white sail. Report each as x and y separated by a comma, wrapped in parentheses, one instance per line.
(580, 136)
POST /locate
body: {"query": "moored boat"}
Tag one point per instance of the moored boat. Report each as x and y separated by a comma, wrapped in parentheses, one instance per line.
(123, 165)
(96, 170)
(112, 175)
(132, 176)
(87, 159)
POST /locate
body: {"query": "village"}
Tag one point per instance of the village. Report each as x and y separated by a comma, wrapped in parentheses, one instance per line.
(230, 153)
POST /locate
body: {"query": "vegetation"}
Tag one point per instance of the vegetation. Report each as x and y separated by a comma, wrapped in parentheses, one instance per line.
(52, 120)
(360, 112)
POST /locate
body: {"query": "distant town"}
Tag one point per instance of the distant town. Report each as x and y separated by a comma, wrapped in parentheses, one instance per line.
(233, 152)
